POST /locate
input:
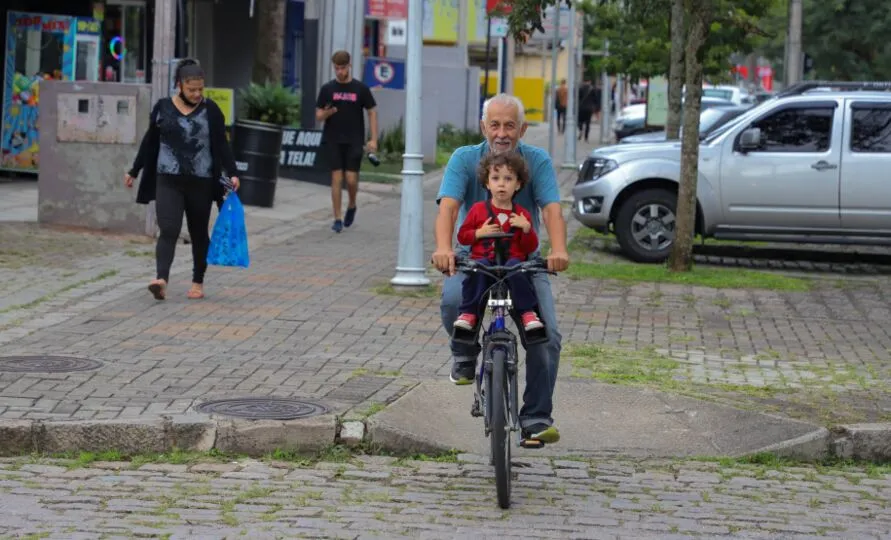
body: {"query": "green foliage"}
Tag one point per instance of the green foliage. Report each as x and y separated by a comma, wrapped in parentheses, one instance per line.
(391, 142)
(639, 37)
(450, 137)
(846, 40)
(271, 103)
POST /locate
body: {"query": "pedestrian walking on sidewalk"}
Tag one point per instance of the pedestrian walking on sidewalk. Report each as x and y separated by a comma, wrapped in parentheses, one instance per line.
(182, 157)
(341, 105)
(503, 125)
(561, 102)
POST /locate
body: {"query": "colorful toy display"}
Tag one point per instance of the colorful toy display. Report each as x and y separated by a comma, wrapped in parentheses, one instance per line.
(19, 143)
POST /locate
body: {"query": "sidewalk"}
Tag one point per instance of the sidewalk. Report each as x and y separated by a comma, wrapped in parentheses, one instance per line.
(308, 322)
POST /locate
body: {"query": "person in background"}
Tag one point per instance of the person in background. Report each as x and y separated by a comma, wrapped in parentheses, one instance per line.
(183, 156)
(561, 102)
(341, 105)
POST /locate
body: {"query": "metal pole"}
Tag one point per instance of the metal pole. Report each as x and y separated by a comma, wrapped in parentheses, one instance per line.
(410, 261)
(552, 107)
(604, 101)
(310, 64)
(569, 136)
(462, 29)
(162, 53)
(795, 17)
(499, 63)
(488, 52)
(510, 51)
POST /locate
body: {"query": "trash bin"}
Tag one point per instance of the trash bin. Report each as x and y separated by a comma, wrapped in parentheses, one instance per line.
(257, 149)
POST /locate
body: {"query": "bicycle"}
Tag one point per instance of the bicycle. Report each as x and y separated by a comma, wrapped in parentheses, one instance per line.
(496, 396)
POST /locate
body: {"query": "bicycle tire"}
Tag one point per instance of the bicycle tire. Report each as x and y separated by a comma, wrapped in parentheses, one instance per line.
(499, 438)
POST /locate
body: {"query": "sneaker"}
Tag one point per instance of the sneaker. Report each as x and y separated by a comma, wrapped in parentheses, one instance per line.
(349, 217)
(463, 370)
(530, 321)
(338, 226)
(542, 432)
(467, 321)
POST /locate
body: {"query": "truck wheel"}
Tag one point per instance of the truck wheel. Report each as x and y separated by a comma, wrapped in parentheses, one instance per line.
(645, 225)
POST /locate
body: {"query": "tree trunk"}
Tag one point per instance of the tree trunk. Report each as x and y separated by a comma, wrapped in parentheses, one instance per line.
(675, 70)
(700, 18)
(269, 51)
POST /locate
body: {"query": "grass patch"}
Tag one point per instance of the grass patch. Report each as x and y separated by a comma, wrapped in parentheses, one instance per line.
(620, 366)
(717, 278)
(427, 291)
(135, 253)
(388, 172)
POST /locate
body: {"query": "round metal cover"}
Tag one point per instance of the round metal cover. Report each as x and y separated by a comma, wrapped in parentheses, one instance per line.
(47, 364)
(263, 408)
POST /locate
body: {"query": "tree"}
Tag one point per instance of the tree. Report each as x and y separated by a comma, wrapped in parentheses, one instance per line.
(846, 40)
(676, 70)
(269, 51)
(699, 15)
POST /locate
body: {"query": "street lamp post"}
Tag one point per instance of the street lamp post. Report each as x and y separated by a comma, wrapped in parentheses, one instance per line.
(569, 135)
(410, 270)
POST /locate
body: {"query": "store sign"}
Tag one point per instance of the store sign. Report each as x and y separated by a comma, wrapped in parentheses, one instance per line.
(302, 157)
(225, 99)
(89, 26)
(386, 9)
(384, 73)
(397, 33)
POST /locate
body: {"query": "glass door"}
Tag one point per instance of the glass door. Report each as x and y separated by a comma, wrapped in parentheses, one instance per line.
(86, 58)
(124, 55)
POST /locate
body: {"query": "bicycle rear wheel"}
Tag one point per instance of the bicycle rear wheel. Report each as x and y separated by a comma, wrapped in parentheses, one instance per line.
(499, 436)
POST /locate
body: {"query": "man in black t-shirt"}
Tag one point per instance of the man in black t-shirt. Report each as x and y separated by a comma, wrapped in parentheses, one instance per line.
(341, 106)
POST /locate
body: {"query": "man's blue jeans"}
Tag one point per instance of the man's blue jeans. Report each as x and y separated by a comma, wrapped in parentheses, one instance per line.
(541, 360)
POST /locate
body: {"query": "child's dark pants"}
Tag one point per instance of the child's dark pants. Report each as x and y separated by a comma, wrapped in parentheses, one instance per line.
(475, 286)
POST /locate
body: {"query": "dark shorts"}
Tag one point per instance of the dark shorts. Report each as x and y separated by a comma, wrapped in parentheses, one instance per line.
(344, 156)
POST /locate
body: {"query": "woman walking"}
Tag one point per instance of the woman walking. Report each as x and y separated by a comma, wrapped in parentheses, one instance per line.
(182, 157)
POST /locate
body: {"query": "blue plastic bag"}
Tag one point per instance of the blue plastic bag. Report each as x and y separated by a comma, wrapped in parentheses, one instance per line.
(229, 242)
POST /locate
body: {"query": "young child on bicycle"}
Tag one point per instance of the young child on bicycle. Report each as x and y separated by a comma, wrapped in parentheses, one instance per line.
(504, 175)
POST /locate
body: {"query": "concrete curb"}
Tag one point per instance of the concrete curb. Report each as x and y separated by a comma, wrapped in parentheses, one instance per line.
(201, 433)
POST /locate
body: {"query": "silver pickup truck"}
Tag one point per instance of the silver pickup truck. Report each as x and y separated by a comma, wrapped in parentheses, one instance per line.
(811, 165)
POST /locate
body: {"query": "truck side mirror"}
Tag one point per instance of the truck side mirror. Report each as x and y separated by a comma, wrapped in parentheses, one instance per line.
(750, 139)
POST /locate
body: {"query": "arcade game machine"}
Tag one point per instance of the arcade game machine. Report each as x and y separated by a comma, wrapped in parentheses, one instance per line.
(38, 47)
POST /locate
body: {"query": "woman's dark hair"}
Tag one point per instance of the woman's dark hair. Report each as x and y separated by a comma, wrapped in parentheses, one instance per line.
(511, 160)
(187, 69)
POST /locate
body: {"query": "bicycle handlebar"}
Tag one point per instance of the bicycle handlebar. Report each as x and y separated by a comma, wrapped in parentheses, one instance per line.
(532, 266)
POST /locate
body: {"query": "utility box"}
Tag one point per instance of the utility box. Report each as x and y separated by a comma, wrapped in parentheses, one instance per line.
(89, 136)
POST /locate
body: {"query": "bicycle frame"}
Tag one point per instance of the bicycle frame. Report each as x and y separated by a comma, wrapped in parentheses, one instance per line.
(498, 336)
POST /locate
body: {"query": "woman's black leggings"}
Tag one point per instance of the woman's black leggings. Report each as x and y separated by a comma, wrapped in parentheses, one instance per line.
(176, 195)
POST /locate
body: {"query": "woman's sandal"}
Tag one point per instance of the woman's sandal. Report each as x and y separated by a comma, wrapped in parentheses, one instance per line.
(196, 292)
(158, 288)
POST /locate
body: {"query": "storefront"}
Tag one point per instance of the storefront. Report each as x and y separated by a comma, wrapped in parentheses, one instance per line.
(64, 40)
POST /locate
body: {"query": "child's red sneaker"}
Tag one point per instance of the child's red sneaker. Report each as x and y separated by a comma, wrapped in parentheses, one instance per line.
(466, 321)
(531, 321)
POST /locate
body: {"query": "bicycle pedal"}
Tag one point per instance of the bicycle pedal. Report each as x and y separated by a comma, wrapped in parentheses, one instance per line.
(532, 444)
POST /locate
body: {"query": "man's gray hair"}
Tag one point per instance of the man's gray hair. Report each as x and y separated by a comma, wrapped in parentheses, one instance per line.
(505, 99)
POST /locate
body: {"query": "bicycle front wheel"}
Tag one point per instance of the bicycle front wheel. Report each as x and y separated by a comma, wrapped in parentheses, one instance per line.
(499, 435)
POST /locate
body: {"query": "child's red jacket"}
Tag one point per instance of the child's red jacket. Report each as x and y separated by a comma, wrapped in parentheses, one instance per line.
(521, 245)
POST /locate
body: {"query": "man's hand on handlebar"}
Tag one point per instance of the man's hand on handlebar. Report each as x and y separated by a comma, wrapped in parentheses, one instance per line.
(444, 261)
(558, 261)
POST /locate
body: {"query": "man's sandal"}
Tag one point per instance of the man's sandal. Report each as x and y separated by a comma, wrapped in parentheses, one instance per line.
(158, 288)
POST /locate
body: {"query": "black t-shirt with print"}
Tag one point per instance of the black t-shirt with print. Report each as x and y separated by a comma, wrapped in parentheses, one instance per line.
(347, 125)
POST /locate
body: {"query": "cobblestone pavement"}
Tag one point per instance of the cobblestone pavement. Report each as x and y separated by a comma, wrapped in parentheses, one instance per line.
(379, 497)
(311, 318)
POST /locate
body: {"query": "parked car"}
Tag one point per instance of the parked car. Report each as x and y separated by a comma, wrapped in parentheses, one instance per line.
(733, 94)
(709, 120)
(807, 166)
(632, 119)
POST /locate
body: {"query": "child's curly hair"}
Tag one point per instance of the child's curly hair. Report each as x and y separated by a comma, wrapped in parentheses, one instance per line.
(511, 160)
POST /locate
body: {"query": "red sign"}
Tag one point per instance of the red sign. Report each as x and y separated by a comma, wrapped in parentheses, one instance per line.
(386, 9)
(502, 7)
(51, 24)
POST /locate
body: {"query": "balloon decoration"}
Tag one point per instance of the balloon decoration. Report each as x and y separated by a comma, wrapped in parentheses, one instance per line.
(116, 44)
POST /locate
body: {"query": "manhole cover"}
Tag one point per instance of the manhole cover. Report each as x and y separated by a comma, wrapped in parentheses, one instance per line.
(268, 408)
(47, 364)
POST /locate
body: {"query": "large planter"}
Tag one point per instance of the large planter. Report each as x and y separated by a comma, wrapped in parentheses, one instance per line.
(257, 149)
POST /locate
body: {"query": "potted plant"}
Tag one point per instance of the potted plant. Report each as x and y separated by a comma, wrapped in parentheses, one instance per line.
(257, 139)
